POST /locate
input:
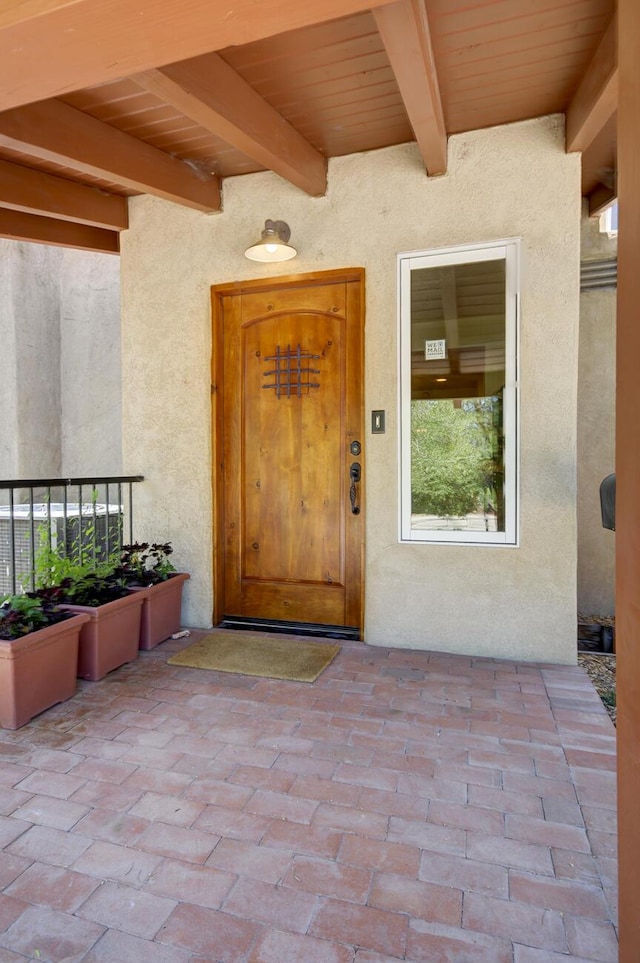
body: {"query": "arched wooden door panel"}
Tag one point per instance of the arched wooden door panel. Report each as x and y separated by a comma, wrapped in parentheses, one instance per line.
(288, 377)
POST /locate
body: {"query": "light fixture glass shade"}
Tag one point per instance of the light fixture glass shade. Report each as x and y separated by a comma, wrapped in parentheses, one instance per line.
(273, 244)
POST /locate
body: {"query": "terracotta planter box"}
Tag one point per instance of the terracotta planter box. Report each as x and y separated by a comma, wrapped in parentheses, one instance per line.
(110, 637)
(161, 610)
(38, 671)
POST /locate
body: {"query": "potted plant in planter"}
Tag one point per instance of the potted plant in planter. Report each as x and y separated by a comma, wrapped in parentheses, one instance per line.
(110, 636)
(147, 566)
(38, 657)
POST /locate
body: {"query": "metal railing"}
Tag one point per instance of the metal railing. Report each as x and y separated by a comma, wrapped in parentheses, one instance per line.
(85, 519)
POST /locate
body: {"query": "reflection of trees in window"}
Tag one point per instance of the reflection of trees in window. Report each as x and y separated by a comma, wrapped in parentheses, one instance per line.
(456, 457)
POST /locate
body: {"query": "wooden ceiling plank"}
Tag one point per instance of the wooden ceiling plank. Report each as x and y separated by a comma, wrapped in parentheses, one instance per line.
(573, 55)
(525, 47)
(18, 226)
(554, 84)
(307, 42)
(304, 73)
(59, 134)
(35, 192)
(71, 45)
(213, 95)
(596, 99)
(405, 34)
(453, 17)
(600, 199)
(314, 57)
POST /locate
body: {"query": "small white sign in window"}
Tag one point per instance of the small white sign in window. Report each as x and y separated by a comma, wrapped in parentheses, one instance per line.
(435, 350)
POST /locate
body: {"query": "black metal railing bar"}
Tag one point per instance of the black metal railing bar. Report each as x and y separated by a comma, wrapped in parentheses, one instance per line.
(104, 503)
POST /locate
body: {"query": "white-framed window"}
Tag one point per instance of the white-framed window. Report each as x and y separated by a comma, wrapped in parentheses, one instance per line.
(458, 374)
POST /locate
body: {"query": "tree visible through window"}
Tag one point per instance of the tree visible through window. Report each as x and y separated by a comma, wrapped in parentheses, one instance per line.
(458, 383)
(456, 463)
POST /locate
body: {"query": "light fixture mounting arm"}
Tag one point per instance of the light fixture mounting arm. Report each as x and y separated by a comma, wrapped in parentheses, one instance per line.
(281, 228)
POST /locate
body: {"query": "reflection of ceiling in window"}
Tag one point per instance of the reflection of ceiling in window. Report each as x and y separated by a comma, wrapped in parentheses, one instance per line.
(474, 358)
(462, 291)
(473, 372)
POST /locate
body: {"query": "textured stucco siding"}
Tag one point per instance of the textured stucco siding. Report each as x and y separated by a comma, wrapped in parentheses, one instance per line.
(90, 364)
(514, 181)
(596, 431)
(29, 322)
(60, 393)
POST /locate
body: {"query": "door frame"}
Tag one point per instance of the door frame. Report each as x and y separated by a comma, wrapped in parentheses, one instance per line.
(218, 293)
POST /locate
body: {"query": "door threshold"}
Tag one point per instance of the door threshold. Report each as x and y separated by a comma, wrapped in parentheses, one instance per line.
(350, 632)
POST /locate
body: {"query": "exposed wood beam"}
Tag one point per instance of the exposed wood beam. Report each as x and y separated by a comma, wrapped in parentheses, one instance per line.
(404, 29)
(599, 199)
(55, 132)
(49, 230)
(596, 99)
(70, 45)
(627, 473)
(212, 94)
(35, 192)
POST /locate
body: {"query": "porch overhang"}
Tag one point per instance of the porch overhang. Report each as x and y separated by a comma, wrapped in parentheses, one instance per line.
(161, 99)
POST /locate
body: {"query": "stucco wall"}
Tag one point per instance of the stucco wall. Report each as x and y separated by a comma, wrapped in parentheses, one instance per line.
(510, 181)
(30, 322)
(596, 431)
(60, 392)
(8, 370)
(90, 364)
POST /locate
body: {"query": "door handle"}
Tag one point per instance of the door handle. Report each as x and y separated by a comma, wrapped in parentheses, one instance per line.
(355, 474)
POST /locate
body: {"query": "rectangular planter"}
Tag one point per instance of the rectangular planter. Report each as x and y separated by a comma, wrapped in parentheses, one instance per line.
(110, 637)
(162, 610)
(38, 671)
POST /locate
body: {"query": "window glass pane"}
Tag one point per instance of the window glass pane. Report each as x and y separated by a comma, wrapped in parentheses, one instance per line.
(458, 378)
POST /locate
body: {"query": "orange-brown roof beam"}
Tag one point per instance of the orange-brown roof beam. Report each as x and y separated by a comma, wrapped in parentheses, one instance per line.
(596, 99)
(212, 94)
(404, 30)
(18, 226)
(35, 192)
(55, 132)
(50, 47)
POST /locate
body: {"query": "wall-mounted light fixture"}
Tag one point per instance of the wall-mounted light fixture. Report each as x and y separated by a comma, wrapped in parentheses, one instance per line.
(273, 244)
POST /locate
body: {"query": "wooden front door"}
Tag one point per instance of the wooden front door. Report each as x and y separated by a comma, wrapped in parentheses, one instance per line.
(288, 384)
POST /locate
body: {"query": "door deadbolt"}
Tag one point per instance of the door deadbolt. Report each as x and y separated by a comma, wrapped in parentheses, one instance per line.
(355, 447)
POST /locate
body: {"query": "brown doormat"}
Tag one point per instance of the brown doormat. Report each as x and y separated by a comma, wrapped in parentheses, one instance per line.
(251, 653)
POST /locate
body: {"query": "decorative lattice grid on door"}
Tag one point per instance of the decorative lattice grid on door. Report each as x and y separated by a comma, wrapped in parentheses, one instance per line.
(292, 373)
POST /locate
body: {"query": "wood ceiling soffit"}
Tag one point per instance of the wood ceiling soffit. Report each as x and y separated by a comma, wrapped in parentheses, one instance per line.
(57, 133)
(599, 160)
(405, 33)
(596, 99)
(18, 226)
(211, 93)
(69, 46)
(36, 192)
(600, 199)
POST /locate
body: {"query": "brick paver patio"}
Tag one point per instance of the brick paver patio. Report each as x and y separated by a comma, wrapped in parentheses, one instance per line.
(406, 806)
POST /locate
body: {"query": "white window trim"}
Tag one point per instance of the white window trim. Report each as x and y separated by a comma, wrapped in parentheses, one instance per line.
(509, 249)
